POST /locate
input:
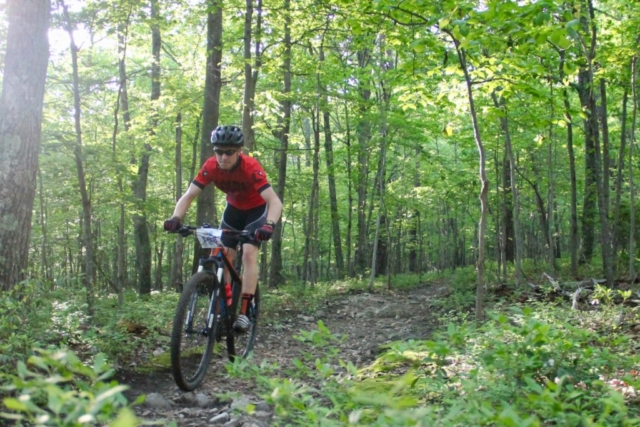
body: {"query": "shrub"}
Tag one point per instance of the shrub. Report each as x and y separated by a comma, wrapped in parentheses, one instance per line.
(56, 388)
(25, 314)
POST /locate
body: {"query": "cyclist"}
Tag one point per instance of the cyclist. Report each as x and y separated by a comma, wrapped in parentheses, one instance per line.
(252, 205)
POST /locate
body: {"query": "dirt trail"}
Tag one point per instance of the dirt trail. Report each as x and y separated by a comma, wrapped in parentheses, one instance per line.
(368, 320)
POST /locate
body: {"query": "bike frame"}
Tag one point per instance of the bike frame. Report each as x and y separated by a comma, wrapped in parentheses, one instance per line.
(217, 256)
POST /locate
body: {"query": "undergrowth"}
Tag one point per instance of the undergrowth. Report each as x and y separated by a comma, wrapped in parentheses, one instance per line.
(527, 365)
(532, 365)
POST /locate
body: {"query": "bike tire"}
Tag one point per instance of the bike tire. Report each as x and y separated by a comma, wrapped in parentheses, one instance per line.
(241, 345)
(192, 340)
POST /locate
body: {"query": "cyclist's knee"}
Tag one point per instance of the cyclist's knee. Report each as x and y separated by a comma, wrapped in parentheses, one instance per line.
(250, 254)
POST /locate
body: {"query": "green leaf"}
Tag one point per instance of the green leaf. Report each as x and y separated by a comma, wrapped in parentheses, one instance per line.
(55, 402)
(14, 404)
(110, 393)
(22, 369)
(126, 418)
(532, 385)
(99, 363)
(573, 24)
(9, 416)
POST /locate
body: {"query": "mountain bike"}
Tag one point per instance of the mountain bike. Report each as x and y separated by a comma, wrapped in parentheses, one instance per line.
(208, 307)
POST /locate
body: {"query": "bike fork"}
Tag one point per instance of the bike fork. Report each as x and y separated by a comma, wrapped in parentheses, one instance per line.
(188, 322)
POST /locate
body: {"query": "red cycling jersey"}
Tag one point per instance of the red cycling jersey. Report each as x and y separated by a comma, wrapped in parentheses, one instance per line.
(242, 184)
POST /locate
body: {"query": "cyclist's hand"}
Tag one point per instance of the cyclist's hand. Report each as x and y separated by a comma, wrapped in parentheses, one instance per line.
(172, 224)
(264, 233)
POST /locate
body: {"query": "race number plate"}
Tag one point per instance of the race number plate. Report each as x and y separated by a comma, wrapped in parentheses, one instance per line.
(209, 237)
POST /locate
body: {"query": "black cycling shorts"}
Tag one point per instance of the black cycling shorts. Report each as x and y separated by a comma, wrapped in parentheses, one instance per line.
(237, 219)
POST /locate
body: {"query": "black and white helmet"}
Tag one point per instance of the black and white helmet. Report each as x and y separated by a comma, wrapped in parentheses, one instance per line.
(227, 135)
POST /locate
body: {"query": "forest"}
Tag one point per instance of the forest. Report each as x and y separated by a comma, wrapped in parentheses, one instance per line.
(488, 146)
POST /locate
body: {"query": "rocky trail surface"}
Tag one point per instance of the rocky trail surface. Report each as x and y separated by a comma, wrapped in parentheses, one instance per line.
(367, 321)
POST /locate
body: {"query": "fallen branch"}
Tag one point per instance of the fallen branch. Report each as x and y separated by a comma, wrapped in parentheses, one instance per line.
(576, 295)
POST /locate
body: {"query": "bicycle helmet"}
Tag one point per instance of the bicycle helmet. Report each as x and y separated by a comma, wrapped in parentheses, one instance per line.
(227, 135)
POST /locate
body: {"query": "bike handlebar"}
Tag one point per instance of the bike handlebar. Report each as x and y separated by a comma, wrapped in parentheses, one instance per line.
(187, 230)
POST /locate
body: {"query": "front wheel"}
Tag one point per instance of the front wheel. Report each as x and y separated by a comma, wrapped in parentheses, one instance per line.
(240, 345)
(192, 339)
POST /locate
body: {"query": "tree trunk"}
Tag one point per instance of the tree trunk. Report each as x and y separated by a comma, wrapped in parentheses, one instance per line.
(586, 92)
(484, 190)
(23, 81)
(206, 210)
(377, 260)
(45, 271)
(350, 263)
(307, 225)
(620, 166)
(514, 198)
(87, 237)
(379, 255)
(632, 190)
(158, 270)
(314, 207)
(551, 188)
(177, 264)
(123, 101)
(508, 239)
(331, 177)
(602, 182)
(140, 225)
(590, 189)
(275, 272)
(362, 177)
(250, 75)
(573, 221)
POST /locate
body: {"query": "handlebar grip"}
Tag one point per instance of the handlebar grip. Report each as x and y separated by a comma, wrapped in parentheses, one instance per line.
(185, 231)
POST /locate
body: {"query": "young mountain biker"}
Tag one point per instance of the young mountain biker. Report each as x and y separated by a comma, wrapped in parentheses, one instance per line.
(252, 205)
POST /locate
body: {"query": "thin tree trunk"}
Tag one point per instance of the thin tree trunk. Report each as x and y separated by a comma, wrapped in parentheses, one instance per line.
(331, 177)
(275, 274)
(381, 192)
(573, 221)
(123, 101)
(206, 209)
(362, 178)
(250, 73)
(621, 159)
(87, 237)
(586, 91)
(551, 188)
(314, 204)
(141, 226)
(350, 263)
(484, 190)
(177, 264)
(602, 182)
(632, 190)
(379, 255)
(44, 262)
(415, 240)
(307, 225)
(158, 270)
(515, 199)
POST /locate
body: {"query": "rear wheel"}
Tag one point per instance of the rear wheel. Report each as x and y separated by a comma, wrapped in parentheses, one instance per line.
(192, 339)
(240, 345)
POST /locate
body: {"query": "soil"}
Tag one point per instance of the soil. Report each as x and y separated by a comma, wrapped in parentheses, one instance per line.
(366, 321)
